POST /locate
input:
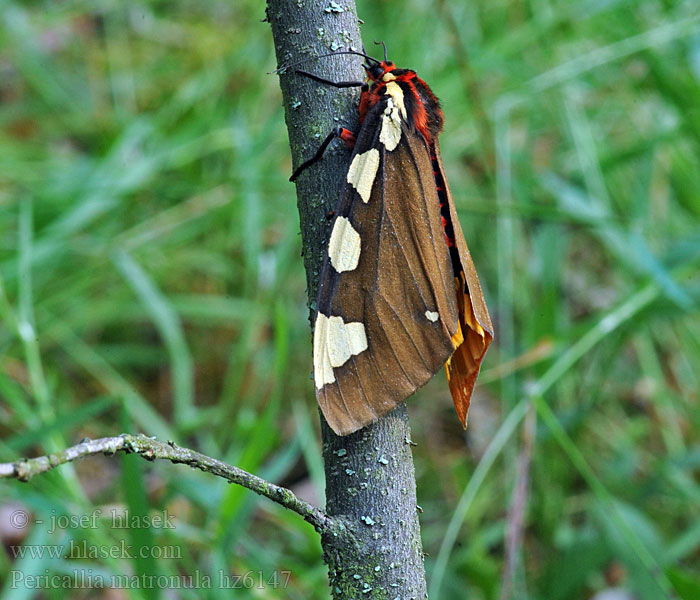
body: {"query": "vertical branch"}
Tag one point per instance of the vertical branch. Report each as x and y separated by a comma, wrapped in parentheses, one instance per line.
(370, 479)
(303, 31)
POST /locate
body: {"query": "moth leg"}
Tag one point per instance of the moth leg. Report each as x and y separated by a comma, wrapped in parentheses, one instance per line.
(338, 84)
(348, 137)
(344, 134)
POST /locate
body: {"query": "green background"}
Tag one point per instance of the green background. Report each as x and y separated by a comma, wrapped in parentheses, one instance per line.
(150, 279)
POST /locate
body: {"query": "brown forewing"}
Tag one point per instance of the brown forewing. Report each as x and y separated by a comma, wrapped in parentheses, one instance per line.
(404, 270)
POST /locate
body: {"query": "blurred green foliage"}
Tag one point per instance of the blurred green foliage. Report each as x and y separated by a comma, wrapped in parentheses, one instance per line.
(150, 280)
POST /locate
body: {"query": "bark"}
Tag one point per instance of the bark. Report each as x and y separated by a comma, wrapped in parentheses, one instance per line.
(370, 480)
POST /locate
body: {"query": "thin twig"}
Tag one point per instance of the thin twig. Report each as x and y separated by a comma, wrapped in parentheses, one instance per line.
(516, 513)
(152, 449)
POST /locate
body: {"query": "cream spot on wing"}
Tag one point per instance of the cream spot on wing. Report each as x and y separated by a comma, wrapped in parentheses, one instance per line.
(390, 134)
(431, 315)
(344, 246)
(394, 90)
(388, 77)
(335, 341)
(362, 172)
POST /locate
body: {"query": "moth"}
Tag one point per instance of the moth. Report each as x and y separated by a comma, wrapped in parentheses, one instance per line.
(398, 294)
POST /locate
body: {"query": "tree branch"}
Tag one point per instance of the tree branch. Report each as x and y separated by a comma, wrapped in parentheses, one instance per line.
(152, 449)
(370, 479)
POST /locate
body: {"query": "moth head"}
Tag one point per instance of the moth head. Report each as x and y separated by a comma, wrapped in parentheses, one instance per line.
(380, 71)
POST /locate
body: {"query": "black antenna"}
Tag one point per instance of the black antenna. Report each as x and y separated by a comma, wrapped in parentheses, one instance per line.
(386, 59)
(303, 60)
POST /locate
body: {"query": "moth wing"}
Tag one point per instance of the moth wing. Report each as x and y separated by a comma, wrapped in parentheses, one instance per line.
(474, 320)
(385, 320)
